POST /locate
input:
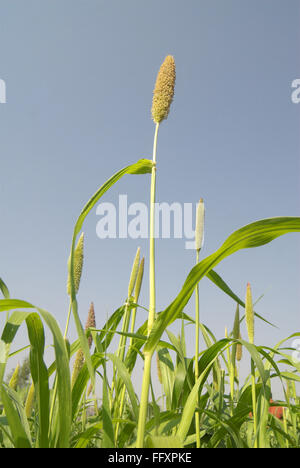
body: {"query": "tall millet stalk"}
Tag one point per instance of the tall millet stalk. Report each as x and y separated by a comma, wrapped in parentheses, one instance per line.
(162, 99)
(198, 245)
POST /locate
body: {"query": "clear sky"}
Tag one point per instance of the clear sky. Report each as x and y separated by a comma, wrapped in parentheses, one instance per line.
(79, 77)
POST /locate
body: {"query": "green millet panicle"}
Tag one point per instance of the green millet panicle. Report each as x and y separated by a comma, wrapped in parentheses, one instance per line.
(249, 314)
(79, 359)
(139, 280)
(134, 272)
(235, 333)
(164, 90)
(78, 262)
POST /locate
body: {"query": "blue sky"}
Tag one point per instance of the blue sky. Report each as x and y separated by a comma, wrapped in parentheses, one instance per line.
(80, 76)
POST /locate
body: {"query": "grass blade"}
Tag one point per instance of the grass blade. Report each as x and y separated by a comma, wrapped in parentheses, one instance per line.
(18, 433)
(253, 235)
(39, 375)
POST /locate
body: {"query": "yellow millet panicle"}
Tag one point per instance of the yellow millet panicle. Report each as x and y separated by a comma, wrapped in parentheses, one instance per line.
(239, 350)
(78, 262)
(78, 364)
(91, 322)
(164, 90)
(29, 401)
(199, 234)
(13, 383)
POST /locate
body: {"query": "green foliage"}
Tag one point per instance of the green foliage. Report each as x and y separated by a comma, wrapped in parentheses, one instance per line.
(232, 413)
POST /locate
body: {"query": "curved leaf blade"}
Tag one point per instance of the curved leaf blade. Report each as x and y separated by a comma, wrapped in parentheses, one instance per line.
(253, 235)
(142, 166)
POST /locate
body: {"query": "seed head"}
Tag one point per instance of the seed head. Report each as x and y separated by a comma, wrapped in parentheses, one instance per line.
(235, 334)
(78, 262)
(239, 350)
(78, 364)
(91, 322)
(139, 280)
(134, 272)
(79, 359)
(29, 401)
(249, 313)
(199, 234)
(14, 381)
(164, 90)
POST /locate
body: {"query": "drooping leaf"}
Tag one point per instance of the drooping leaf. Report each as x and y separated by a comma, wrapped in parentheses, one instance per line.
(253, 235)
(143, 166)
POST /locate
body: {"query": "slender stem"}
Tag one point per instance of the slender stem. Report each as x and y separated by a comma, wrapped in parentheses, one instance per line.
(144, 401)
(122, 343)
(120, 354)
(152, 303)
(152, 297)
(68, 320)
(254, 403)
(133, 317)
(231, 378)
(52, 406)
(284, 416)
(54, 391)
(231, 371)
(123, 338)
(197, 415)
(124, 389)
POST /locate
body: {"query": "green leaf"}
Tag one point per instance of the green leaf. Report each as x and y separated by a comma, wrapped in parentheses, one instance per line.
(108, 430)
(252, 235)
(125, 377)
(63, 379)
(86, 436)
(218, 281)
(62, 361)
(18, 433)
(39, 375)
(9, 332)
(167, 374)
(9, 304)
(143, 166)
(290, 376)
(4, 289)
(80, 383)
(205, 364)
